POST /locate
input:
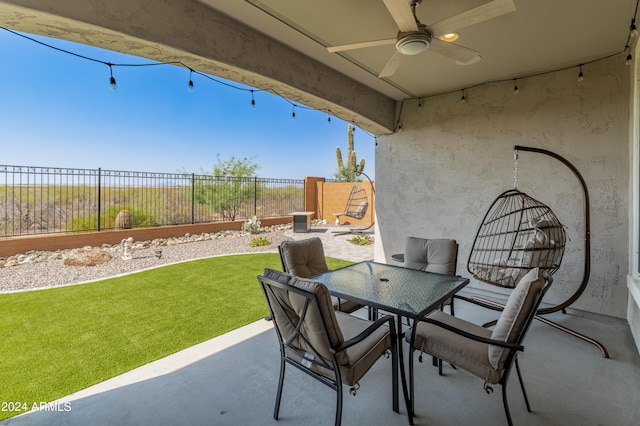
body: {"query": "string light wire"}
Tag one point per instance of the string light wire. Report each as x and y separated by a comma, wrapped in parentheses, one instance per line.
(112, 80)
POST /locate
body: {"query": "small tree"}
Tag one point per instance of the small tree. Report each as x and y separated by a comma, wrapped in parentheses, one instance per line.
(229, 188)
(350, 171)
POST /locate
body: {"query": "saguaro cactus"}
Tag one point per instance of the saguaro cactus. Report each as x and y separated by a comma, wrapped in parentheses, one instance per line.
(349, 171)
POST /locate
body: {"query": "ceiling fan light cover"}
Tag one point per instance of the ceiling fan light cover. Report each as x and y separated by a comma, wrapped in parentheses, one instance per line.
(413, 44)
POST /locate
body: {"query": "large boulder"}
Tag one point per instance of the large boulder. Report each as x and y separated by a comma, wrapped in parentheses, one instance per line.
(124, 220)
(86, 257)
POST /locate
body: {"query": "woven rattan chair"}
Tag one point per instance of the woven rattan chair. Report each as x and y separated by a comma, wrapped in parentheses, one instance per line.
(333, 347)
(485, 353)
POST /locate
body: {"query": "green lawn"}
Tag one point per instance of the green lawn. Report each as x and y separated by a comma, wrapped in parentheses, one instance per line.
(55, 342)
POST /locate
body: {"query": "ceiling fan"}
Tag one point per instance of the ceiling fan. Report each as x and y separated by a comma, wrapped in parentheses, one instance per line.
(415, 37)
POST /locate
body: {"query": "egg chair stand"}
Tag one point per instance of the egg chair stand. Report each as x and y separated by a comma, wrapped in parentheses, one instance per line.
(519, 233)
(357, 206)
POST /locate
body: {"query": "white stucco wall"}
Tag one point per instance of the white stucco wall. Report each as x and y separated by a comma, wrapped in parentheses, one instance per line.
(438, 176)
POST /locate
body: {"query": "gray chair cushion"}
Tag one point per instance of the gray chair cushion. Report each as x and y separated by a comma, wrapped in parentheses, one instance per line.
(458, 350)
(514, 315)
(436, 255)
(313, 324)
(304, 258)
(361, 357)
(275, 275)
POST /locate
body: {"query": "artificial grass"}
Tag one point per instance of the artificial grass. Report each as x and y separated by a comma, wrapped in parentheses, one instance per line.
(57, 341)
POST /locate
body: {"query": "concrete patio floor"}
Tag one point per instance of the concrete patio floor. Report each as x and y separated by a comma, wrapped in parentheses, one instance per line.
(232, 380)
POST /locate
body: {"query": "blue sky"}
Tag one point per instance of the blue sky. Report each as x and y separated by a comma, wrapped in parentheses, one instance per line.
(57, 110)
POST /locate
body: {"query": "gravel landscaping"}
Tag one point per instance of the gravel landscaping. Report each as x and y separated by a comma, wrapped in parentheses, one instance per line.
(36, 270)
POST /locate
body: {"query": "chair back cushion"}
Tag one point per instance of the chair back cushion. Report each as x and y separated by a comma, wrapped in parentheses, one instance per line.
(438, 255)
(303, 258)
(360, 211)
(514, 317)
(319, 328)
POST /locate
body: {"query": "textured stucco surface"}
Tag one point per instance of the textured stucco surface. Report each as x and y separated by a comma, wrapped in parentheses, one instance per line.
(438, 176)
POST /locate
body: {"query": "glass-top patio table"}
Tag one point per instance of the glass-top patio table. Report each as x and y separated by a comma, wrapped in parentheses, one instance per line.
(408, 293)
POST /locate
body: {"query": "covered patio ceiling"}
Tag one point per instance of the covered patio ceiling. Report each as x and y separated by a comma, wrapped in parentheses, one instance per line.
(281, 45)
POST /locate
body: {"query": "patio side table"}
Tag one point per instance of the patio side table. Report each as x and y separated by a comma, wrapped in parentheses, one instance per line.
(302, 221)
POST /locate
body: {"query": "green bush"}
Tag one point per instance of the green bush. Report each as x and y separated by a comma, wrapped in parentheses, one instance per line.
(141, 218)
(259, 242)
(361, 240)
(252, 225)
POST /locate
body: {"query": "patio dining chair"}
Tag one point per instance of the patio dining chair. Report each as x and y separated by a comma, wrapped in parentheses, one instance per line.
(488, 354)
(333, 347)
(305, 258)
(432, 255)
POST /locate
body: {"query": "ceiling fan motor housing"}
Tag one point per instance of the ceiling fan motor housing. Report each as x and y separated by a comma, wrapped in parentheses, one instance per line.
(414, 42)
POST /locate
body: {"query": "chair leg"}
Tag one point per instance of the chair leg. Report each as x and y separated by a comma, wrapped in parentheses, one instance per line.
(394, 377)
(276, 411)
(506, 404)
(339, 403)
(524, 392)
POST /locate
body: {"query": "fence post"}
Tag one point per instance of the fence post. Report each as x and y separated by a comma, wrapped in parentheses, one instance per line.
(99, 196)
(255, 196)
(193, 198)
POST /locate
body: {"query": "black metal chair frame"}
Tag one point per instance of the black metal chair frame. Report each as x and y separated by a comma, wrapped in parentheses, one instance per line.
(514, 347)
(332, 365)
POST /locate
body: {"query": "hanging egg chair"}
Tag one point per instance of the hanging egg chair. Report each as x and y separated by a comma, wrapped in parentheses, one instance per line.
(518, 233)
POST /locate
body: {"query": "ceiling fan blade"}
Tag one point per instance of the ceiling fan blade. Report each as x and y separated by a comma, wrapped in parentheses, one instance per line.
(473, 16)
(361, 45)
(401, 12)
(454, 51)
(392, 65)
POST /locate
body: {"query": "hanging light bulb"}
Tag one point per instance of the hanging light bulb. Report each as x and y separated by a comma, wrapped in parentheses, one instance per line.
(463, 99)
(515, 87)
(629, 57)
(190, 86)
(633, 31)
(580, 74)
(328, 116)
(420, 104)
(112, 80)
(253, 101)
(293, 112)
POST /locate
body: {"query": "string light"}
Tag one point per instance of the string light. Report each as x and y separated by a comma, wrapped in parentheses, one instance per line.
(114, 86)
(629, 57)
(580, 74)
(190, 85)
(463, 99)
(112, 80)
(633, 31)
(515, 87)
(420, 104)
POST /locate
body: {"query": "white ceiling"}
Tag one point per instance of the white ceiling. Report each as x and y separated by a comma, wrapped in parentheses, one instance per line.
(541, 35)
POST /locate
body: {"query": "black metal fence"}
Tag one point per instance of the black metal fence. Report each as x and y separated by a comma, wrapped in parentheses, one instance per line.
(40, 200)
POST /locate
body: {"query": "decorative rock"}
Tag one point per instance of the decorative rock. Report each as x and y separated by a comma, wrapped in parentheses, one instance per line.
(107, 252)
(86, 257)
(124, 220)
(126, 252)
